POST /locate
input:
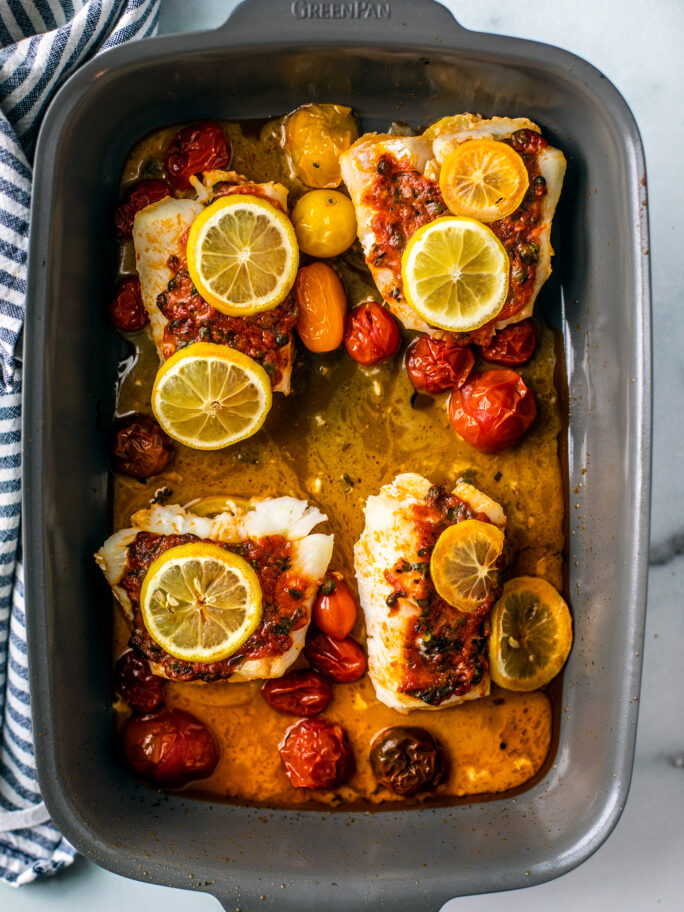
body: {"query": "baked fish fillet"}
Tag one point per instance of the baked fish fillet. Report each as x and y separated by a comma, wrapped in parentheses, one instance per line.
(421, 158)
(308, 556)
(391, 537)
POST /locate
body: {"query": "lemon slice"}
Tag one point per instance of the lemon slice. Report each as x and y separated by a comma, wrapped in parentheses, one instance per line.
(210, 396)
(484, 179)
(531, 634)
(455, 273)
(242, 255)
(200, 602)
(463, 565)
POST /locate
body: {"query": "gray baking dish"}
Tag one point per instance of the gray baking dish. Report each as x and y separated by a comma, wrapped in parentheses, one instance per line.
(401, 59)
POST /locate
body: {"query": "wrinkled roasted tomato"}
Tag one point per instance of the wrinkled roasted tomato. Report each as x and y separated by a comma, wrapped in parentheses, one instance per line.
(341, 660)
(141, 448)
(322, 307)
(434, 365)
(315, 137)
(335, 609)
(371, 333)
(407, 760)
(299, 693)
(492, 410)
(513, 345)
(127, 311)
(170, 746)
(316, 754)
(141, 689)
(144, 193)
(199, 147)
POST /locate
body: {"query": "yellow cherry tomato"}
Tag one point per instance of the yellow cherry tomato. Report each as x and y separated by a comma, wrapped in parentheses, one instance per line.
(324, 222)
(314, 137)
(322, 307)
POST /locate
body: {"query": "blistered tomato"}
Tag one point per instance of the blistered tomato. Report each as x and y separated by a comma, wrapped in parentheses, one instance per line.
(315, 137)
(371, 334)
(513, 345)
(324, 222)
(299, 693)
(144, 193)
(316, 754)
(342, 660)
(170, 746)
(141, 448)
(434, 365)
(407, 760)
(492, 410)
(127, 311)
(322, 307)
(335, 609)
(199, 147)
(134, 680)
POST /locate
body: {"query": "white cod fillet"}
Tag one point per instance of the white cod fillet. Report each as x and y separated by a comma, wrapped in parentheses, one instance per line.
(388, 537)
(293, 519)
(426, 156)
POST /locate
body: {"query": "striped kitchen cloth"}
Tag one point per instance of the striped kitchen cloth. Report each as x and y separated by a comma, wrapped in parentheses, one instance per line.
(41, 43)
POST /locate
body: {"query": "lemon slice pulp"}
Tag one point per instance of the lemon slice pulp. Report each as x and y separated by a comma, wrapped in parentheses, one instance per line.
(210, 396)
(531, 634)
(455, 273)
(242, 255)
(464, 563)
(484, 179)
(200, 602)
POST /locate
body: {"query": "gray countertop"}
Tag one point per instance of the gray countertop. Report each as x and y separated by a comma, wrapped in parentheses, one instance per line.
(638, 45)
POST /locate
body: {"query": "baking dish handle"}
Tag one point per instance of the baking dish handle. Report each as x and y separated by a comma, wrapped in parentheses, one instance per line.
(395, 21)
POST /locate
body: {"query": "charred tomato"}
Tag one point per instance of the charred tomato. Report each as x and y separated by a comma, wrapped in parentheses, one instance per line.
(434, 365)
(513, 345)
(170, 746)
(198, 147)
(299, 693)
(141, 448)
(316, 754)
(342, 660)
(141, 689)
(371, 334)
(492, 410)
(407, 760)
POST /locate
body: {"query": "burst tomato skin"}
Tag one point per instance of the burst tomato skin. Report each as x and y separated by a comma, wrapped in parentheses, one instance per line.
(371, 334)
(513, 345)
(299, 693)
(144, 193)
(127, 311)
(316, 754)
(170, 746)
(335, 609)
(492, 410)
(341, 660)
(141, 448)
(198, 147)
(141, 689)
(434, 365)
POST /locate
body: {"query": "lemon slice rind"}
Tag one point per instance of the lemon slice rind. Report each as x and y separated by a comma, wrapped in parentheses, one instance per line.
(463, 563)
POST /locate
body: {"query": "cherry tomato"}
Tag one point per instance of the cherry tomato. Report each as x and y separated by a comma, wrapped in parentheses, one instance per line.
(144, 193)
(315, 137)
(434, 365)
(371, 334)
(324, 222)
(141, 689)
(492, 410)
(335, 609)
(513, 345)
(316, 754)
(299, 693)
(322, 307)
(141, 448)
(127, 311)
(341, 660)
(170, 746)
(407, 760)
(199, 147)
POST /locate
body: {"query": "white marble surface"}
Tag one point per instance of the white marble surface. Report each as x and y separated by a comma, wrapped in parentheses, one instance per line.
(638, 45)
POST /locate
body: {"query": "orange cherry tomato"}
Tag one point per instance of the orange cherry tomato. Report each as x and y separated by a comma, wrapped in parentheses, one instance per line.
(335, 609)
(322, 307)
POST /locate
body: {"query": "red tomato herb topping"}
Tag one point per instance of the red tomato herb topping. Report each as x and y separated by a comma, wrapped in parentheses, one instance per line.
(170, 746)
(513, 345)
(198, 147)
(341, 660)
(371, 334)
(141, 689)
(492, 410)
(127, 311)
(144, 193)
(316, 754)
(434, 365)
(299, 693)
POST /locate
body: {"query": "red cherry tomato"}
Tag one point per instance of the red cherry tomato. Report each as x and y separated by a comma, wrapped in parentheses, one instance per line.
(141, 448)
(341, 660)
(170, 746)
(199, 147)
(299, 693)
(492, 410)
(141, 689)
(144, 193)
(434, 365)
(335, 609)
(513, 345)
(127, 311)
(316, 754)
(371, 333)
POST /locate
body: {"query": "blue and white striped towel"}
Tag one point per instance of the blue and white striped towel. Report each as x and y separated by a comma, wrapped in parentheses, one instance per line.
(41, 43)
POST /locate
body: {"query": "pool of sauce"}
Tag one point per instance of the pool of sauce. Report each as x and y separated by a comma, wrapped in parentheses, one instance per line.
(342, 433)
